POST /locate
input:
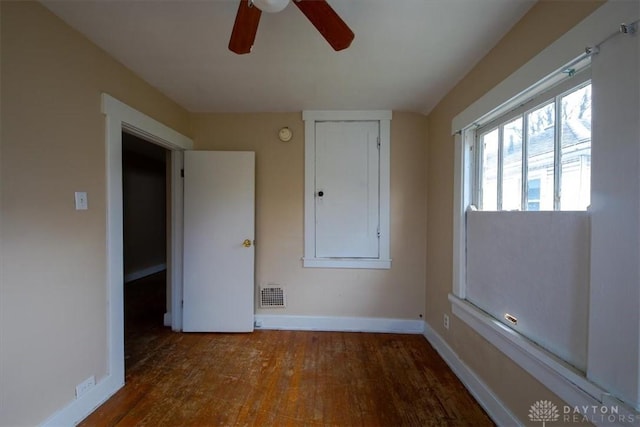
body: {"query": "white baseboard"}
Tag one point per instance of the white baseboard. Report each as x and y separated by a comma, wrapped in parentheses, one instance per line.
(80, 408)
(498, 412)
(569, 384)
(338, 324)
(167, 319)
(139, 274)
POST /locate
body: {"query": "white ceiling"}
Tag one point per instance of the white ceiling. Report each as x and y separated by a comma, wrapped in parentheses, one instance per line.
(406, 55)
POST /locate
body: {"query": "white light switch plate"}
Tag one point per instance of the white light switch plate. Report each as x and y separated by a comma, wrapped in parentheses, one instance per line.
(82, 203)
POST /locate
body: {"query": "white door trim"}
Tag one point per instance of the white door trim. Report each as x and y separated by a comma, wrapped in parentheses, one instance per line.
(119, 117)
(310, 118)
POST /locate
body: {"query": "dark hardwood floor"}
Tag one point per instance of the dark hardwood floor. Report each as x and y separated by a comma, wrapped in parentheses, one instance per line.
(279, 378)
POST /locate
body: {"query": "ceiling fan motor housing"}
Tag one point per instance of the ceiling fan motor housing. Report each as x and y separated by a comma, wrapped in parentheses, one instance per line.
(270, 6)
(335, 31)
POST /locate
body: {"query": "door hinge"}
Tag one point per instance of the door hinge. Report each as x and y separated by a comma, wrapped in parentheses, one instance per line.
(182, 173)
(378, 143)
(378, 233)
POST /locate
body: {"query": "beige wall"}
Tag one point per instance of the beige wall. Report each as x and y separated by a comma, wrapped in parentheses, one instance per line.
(543, 24)
(53, 331)
(395, 293)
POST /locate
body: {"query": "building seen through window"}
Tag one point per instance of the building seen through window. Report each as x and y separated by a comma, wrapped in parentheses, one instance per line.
(540, 159)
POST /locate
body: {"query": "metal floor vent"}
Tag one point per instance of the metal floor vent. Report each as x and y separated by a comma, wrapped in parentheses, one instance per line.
(272, 296)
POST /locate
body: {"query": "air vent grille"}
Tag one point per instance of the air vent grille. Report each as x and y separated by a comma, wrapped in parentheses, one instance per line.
(272, 296)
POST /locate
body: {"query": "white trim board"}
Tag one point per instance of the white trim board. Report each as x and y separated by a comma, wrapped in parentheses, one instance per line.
(566, 382)
(310, 118)
(496, 409)
(593, 29)
(144, 272)
(338, 324)
(119, 117)
(144, 126)
(602, 23)
(174, 269)
(347, 115)
(78, 409)
(498, 412)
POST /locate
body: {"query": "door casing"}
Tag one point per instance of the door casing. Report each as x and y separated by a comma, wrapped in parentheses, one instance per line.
(120, 117)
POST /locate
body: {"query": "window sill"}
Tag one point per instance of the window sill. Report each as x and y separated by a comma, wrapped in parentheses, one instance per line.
(377, 264)
(561, 378)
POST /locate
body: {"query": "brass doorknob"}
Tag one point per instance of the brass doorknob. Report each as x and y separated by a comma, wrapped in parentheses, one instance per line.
(246, 243)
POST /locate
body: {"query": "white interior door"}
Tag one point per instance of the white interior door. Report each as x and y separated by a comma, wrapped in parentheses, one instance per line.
(219, 204)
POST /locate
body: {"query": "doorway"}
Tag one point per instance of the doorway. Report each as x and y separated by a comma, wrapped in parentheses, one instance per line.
(144, 203)
(120, 117)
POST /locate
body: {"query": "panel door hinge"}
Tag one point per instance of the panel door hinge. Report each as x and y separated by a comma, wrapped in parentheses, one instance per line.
(378, 232)
(182, 173)
(378, 143)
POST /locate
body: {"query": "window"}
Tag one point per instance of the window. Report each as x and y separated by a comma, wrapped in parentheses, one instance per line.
(531, 154)
(538, 158)
(609, 238)
(347, 183)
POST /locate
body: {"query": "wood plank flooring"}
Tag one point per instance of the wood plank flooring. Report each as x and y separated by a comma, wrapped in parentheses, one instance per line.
(286, 378)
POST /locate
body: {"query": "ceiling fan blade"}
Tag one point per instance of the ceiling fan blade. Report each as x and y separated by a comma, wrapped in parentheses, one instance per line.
(245, 28)
(327, 21)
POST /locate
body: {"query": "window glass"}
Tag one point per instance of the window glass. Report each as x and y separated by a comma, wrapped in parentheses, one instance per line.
(539, 159)
(575, 143)
(540, 155)
(533, 195)
(489, 143)
(512, 165)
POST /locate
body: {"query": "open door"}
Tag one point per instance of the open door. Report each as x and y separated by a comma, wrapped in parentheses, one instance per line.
(219, 226)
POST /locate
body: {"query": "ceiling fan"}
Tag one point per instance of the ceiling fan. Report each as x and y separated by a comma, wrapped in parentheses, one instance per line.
(319, 12)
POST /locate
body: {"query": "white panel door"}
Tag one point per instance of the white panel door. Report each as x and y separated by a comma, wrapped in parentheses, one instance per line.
(219, 204)
(347, 189)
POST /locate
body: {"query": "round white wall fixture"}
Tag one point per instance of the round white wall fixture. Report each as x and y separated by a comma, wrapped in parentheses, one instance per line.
(285, 134)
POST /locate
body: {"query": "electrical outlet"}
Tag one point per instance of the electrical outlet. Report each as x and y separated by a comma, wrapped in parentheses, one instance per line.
(446, 321)
(85, 386)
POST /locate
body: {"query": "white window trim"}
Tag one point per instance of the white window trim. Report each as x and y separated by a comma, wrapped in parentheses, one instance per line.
(572, 386)
(546, 96)
(310, 118)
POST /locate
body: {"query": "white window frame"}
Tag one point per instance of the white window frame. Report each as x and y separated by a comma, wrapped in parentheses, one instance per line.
(539, 98)
(310, 119)
(543, 71)
(555, 373)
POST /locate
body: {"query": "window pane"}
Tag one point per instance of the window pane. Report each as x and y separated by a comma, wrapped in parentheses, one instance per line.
(575, 176)
(540, 157)
(512, 165)
(489, 143)
(533, 194)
